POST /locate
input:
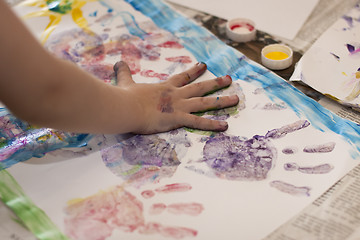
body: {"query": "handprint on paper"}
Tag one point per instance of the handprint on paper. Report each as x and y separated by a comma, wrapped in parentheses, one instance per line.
(96, 53)
(98, 216)
(147, 158)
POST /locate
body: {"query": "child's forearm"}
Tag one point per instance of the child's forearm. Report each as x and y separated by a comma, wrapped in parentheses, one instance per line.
(51, 92)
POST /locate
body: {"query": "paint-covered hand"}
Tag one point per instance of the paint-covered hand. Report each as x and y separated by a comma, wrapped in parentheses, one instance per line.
(169, 104)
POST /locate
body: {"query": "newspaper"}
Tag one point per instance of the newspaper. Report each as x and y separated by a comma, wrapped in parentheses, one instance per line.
(336, 214)
(333, 216)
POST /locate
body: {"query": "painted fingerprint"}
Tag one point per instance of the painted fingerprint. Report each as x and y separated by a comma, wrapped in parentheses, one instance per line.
(274, 106)
(290, 189)
(170, 188)
(191, 209)
(319, 169)
(235, 158)
(322, 148)
(290, 150)
(97, 216)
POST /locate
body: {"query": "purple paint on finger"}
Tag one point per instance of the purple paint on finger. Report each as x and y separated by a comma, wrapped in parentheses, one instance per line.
(322, 148)
(290, 189)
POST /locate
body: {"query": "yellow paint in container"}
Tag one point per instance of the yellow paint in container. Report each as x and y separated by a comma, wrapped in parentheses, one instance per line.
(276, 56)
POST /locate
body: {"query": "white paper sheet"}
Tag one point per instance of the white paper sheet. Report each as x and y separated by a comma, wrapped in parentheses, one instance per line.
(277, 17)
(332, 64)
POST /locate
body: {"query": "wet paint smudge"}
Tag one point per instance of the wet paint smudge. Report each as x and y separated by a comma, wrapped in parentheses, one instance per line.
(322, 148)
(165, 103)
(348, 20)
(335, 56)
(352, 49)
(290, 189)
(319, 169)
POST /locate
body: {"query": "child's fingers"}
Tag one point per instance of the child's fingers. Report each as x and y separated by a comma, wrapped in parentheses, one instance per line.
(122, 73)
(209, 103)
(202, 88)
(196, 122)
(188, 76)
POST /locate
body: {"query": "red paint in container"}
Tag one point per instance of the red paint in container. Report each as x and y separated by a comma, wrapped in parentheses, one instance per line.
(247, 27)
(241, 30)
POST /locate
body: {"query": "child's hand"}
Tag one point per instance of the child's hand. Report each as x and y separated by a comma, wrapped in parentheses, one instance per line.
(168, 105)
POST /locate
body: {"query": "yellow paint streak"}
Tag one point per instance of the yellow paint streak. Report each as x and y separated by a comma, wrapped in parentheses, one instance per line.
(74, 201)
(34, 3)
(44, 138)
(114, 191)
(354, 93)
(54, 21)
(276, 55)
(344, 73)
(55, 18)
